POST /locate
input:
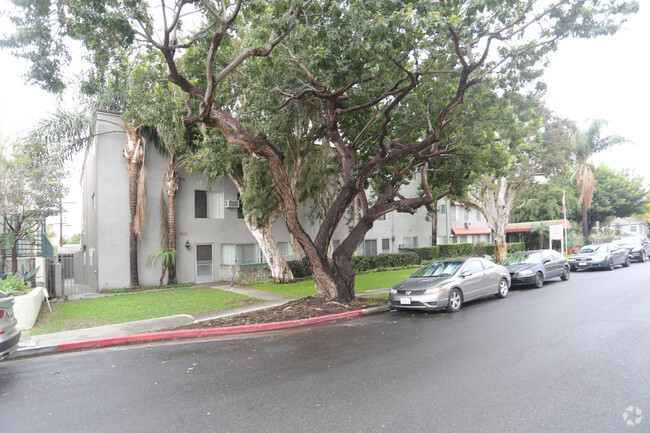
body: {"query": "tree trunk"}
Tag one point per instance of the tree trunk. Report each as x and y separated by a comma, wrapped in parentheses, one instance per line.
(3, 260)
(263, 234)
(585, 223)
(171, 179)
(133, 237)
(500, 248)
(280, 270)
(14, 258)
(434, 228)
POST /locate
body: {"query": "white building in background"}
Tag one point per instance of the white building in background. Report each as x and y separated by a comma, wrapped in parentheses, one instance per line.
(209, 223)
(459, 224)
(628, 226)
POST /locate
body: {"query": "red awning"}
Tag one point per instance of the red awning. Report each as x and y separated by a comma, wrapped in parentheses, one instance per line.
(471, 230)
(524, 227)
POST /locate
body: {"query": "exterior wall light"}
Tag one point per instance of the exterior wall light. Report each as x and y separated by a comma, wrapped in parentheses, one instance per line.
(187, 244)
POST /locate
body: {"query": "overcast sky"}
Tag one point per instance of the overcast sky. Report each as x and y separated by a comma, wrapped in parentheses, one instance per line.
(603, 78)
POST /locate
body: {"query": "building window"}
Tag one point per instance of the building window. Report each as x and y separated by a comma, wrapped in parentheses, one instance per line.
(632, 229)
(410, 242)
(479, 216)
(382, 217)
(456, 213)
(241, 254)
(442, 208)
(369, 247)
(200, 203)
(385, 245)
(208, 204)
(468, 215)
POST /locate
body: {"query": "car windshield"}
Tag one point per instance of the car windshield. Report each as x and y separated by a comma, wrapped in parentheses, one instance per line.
(627, 240)
(438, 269)
(523, 258)
(593, 249)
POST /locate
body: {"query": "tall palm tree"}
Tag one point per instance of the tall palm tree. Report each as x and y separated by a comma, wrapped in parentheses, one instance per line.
(134, 148)
(586, 144)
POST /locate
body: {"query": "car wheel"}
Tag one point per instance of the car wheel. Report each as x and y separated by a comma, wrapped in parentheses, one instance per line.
(610, 264)
(566, 274)
(539, 280)
(626, 263)
(455, 300)
(503, 288)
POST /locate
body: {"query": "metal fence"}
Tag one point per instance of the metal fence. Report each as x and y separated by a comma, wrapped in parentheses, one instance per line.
(245, 272)
(77, 275)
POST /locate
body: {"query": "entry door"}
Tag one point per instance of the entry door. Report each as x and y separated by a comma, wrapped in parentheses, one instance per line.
(203, 259)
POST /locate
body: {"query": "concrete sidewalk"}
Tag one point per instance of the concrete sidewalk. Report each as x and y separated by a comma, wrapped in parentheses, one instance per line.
(49, 343)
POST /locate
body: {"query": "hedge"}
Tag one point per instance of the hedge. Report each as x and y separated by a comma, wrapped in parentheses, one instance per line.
(300, 269)
(512, 248)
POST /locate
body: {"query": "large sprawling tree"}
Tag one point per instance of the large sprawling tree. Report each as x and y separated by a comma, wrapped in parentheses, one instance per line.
(388, 79)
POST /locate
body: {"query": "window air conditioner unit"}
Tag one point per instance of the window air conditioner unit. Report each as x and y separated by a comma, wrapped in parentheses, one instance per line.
(232, 204)
(468, 224)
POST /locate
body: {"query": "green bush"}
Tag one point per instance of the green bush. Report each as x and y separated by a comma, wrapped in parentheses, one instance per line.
(425, 253)
(395, 260)
(13, 285)
(299, 268)
(515, 247)
(362, 263)
(456, 250)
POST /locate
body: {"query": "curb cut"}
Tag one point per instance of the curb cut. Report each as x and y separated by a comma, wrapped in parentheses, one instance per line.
(97, 343)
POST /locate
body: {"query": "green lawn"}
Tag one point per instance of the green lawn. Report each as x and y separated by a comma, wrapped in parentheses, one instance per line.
(126, 308)
(362, 283)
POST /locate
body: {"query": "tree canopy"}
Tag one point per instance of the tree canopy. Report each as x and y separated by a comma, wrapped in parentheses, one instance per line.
(391, 82)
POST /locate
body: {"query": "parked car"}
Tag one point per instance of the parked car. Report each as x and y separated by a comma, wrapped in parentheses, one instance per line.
(535, 267)
(448, 284)
(605, 256)
(638, 247)
(9, 334)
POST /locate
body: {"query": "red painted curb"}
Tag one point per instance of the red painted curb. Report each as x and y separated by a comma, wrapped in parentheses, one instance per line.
(205, 332)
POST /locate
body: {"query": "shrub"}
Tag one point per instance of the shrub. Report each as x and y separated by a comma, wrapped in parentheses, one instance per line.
(425, 253)
(394, 260)
(299, 268)
(515, 247)
(456, 250)
(13, 285)
(362, 263)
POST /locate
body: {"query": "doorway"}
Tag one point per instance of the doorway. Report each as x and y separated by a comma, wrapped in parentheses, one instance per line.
(204, 266)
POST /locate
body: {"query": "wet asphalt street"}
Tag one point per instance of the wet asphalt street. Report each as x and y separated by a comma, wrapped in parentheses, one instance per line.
(569, 357)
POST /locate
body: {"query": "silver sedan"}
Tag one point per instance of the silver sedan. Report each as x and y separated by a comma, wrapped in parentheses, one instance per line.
(449, 283)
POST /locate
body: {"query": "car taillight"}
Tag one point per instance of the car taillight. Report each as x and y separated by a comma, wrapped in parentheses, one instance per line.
(2, 312)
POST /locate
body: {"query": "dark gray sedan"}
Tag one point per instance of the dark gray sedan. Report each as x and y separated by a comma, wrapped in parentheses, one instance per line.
(535, 267)
(447, 284)
(638, 247)
(600, 256)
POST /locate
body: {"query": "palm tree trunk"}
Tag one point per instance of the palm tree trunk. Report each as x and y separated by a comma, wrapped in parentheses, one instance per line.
(171, 235)
(133, 237)
(585, 223)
